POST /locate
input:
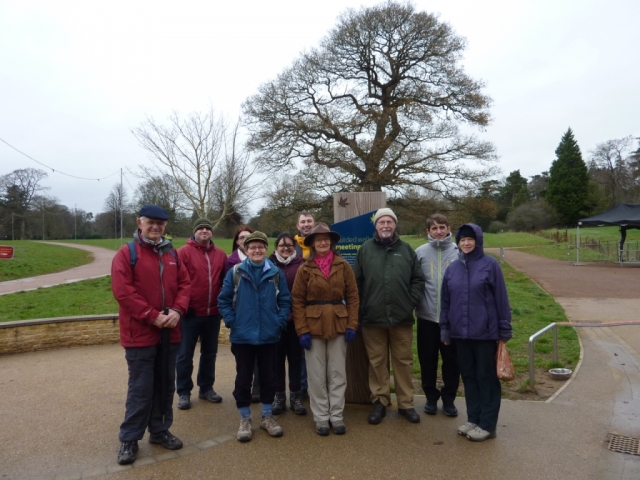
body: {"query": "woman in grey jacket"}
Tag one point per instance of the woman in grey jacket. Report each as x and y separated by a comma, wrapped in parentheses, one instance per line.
(475, 315)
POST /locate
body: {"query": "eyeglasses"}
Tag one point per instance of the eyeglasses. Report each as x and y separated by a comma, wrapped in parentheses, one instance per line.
(286, 245)
(155, 223)
(259, 247)
(322, 240)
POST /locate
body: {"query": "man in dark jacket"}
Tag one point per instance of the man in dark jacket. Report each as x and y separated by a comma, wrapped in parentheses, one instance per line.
(152, 291)
(391, 285)
(205, 264)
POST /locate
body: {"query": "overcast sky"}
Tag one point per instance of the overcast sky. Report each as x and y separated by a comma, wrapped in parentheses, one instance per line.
(77, 76)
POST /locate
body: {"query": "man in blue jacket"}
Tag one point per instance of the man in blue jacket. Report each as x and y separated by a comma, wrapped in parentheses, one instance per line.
(255, 304)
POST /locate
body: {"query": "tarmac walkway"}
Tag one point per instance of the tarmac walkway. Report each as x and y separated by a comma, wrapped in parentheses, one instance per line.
(100, 267)
(61, 409)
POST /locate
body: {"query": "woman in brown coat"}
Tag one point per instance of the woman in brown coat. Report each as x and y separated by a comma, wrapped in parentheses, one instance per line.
(325, 311)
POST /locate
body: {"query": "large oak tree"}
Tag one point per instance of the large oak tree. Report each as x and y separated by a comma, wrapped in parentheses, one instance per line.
(382, 103)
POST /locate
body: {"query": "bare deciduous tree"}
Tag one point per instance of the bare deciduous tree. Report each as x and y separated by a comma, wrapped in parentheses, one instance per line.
(378, 105)
(201, 154)
(19, 190)
(609, 166)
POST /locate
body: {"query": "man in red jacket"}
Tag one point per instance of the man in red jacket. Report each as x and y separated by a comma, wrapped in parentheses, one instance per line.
(152, 289)
(205, 264)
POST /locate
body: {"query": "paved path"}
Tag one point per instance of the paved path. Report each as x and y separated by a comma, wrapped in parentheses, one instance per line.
(100, 267)
(60, 412)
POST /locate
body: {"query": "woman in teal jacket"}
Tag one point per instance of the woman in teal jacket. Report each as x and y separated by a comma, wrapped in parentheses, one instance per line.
(255, 304)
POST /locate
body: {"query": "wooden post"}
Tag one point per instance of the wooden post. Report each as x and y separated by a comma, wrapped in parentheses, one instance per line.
(346, 206)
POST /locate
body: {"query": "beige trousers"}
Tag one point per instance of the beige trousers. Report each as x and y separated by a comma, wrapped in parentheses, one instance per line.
(327, 377)
(377, 342)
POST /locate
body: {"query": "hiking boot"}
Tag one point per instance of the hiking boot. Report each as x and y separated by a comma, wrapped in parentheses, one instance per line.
(410, 413)
(127, 452)
(184, 402)
(377, 414)
(255, 393)
(431, 408)
(296, 403)
(166, 439)
(480, 435)
(466, 428)
(211, 396)
(450, 410)
(322, 428)
(279, 403)
(338, 427)
(244, 432)
(271, 426)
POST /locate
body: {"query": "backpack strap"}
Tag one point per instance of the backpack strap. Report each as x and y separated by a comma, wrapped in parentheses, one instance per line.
(236, 284)
(133, 254)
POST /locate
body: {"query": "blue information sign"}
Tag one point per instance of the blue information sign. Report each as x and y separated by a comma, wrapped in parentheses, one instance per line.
(353, 233)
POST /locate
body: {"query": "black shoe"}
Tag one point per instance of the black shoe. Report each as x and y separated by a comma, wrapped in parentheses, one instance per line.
(431, 408)
(410, 413)
(184, 402)
(450, 410)
(166, 439)
(127, 452)
(377, 414)
(255, 393)
(296, 403)
(279, 403)
(210, 395)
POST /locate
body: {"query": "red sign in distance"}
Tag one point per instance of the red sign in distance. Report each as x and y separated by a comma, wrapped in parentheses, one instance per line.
(6, 252)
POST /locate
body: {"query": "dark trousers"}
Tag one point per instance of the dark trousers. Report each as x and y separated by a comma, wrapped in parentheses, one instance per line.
(289, 349)
(207, 329)
(144, 406)
(482, 389)
(429, 346)
(246, 356)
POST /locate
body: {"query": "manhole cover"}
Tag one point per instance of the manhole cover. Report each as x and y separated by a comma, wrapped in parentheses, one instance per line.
(618, 443)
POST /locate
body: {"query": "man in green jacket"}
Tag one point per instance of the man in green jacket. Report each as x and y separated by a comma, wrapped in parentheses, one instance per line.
(391, 284)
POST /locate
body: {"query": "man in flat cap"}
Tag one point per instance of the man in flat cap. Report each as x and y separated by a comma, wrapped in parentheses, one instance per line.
(151, 287)
(391, 284)
(205, 264)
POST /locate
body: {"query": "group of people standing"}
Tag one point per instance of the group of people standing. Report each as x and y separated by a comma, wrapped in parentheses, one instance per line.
(300, 307)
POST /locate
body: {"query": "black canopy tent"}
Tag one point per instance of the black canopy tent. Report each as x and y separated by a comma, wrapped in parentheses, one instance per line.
(625, 216)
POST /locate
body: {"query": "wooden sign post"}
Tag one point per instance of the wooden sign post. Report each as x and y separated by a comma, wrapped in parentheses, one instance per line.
(346, 206)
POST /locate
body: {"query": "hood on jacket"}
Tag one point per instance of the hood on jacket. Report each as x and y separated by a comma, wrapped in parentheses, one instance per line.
(478, 251)
(192, 242)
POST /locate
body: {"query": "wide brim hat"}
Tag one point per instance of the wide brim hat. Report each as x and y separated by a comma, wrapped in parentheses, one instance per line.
(256, 236)
(321, 227)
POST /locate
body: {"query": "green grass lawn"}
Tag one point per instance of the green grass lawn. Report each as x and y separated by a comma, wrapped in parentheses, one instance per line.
(89, 297)
(35, 258)
(532, 310)
(224, 243)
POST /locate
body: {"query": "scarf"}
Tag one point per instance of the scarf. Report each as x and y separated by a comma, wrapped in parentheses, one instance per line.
(241, 254)
(285, 261)
(305, 250)
(324, 263)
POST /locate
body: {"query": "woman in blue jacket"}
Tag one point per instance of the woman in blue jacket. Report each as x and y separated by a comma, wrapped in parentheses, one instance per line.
(255, 304)
(475, 315)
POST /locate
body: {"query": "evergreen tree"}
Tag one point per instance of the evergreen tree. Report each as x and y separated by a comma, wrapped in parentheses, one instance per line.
(568, 186)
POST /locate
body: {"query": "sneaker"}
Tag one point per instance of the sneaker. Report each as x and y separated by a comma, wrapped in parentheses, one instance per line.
(296, 403)
(338, 427)
(166, 439)
(322, 427)
(431, 408)
(466, 428)
(271, 426)
(480, 435)
(244, 432)
(184, 402)
(410, 413)
(450, 410)
(127, 452)
(279, 403)
(377, 414)
(210, 395)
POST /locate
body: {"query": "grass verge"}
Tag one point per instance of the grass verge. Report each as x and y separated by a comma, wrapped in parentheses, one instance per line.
(35, 258)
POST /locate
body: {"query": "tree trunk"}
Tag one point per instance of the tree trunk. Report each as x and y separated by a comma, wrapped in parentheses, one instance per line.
(346, 206)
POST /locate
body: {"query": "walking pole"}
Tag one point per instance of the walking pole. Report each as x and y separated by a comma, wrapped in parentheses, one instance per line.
(164, 352)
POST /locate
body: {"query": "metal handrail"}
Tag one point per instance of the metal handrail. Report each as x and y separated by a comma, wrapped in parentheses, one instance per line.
(532, 339)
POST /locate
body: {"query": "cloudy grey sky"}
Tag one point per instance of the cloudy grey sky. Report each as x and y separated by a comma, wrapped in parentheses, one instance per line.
(76, 76)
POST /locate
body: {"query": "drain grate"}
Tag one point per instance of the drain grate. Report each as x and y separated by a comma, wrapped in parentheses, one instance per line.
(618, 443)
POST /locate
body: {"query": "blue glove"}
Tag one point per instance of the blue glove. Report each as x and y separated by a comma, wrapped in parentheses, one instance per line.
(349, 335)
(305, 341)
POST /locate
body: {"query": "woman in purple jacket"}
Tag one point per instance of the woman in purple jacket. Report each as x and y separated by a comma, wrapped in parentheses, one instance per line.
(475, 314)
(289, 348)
